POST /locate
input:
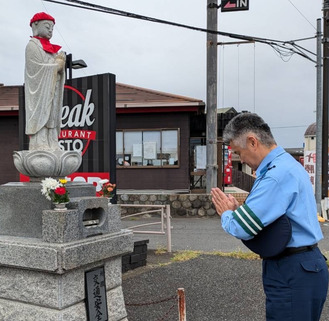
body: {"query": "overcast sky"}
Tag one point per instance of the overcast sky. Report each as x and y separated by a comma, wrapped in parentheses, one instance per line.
(171, 59)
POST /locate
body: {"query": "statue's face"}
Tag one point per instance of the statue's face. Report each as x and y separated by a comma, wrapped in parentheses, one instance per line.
(45, 29)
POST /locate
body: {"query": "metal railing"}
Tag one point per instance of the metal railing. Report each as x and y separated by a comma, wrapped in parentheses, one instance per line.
(242, 180)
(165, 222)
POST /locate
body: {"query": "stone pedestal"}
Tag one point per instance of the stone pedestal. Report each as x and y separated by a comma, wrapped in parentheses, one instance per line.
(21, 206)
(45, 254)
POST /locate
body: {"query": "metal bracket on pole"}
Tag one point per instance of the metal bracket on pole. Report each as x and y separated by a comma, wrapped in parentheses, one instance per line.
(213, 6)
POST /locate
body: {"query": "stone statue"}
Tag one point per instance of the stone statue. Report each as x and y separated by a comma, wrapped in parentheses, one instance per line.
(44, 85)
(44, 88)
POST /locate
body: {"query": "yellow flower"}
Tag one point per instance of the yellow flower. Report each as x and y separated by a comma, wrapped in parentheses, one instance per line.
(63, 181)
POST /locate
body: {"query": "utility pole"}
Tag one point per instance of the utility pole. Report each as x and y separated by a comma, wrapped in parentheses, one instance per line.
(325, 99)
(212, 166)
(319, 120)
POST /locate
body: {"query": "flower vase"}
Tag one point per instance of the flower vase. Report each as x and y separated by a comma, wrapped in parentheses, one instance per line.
(60, 206)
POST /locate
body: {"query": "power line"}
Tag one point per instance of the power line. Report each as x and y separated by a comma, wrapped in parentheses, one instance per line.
(283, 48)
(58, 30)
(302, 15)
(295, 126)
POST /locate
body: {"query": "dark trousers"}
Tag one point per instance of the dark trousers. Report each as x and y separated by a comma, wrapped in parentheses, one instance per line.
(295, 286)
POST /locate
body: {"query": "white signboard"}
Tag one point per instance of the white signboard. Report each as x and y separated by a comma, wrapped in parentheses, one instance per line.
(201, 157)
(137, 150)
(150, 150)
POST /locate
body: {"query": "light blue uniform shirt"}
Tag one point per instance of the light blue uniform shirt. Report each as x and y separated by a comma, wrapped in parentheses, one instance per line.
(282, 187)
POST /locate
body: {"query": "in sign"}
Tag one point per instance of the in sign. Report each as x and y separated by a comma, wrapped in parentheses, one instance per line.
(234, 5)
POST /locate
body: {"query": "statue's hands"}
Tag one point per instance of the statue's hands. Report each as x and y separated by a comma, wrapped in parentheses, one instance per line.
(62, 55)
(60, 60)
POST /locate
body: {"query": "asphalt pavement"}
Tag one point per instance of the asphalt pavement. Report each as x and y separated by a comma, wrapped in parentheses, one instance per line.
(202, 234)
(217, 288)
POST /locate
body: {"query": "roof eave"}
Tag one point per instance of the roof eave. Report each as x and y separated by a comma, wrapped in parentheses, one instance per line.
(156, 105)
(6, 108)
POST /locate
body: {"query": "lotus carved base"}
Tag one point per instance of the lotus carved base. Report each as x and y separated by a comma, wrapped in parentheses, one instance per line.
(41, 163)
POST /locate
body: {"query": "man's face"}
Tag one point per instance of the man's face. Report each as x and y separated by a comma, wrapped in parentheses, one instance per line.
(248, 154)
(45, 29)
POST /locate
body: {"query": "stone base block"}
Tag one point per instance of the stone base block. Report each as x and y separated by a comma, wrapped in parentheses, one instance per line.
(51, 261)
(86, 217)
(21, 206)
(18, 311)
(58, 258)
(54, 291)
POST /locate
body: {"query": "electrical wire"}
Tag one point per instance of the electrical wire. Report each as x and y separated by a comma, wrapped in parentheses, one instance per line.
(254, 77)
(60, 34)
(302, 39)
(302, 15)
(57, 29)
(302, 48)
(280, 47)
(296, 126)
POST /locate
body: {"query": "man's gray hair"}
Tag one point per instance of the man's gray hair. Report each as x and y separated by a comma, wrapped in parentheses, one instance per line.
(245, 123)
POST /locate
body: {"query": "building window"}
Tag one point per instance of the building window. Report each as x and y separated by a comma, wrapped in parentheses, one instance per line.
(147, 148)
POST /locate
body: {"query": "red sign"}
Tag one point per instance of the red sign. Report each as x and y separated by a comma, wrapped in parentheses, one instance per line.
(72, 139)
(234, 5)
(228, 166)
(90, 178)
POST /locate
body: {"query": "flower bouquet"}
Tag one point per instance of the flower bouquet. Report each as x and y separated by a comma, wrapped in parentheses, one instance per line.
(54, 190)
(107, 189)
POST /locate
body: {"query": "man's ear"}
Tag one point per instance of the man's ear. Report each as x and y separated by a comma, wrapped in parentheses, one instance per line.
(252, 141)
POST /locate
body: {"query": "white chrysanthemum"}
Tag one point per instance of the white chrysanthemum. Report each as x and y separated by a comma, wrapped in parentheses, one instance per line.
(49, 184)
(47, 197)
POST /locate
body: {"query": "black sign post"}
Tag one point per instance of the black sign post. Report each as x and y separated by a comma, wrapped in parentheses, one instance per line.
(96, 302)
(89, 125)
(234, 5)
(88, 122)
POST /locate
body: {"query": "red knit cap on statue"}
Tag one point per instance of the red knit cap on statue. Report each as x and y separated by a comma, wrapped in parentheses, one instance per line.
(41, 16)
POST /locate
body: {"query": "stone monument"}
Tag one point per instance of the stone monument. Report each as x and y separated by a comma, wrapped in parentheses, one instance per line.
(56, 264)
(44, 87)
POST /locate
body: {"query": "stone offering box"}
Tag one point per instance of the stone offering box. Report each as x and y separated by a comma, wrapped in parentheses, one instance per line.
(45, 254)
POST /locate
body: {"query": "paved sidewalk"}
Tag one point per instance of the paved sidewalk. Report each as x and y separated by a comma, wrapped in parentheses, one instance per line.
(203, 234)
(217, 288)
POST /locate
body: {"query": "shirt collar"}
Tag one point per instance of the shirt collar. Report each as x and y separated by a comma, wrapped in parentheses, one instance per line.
(268, 160)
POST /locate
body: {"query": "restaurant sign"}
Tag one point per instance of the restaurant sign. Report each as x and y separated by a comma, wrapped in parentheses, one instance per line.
(88, 125)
